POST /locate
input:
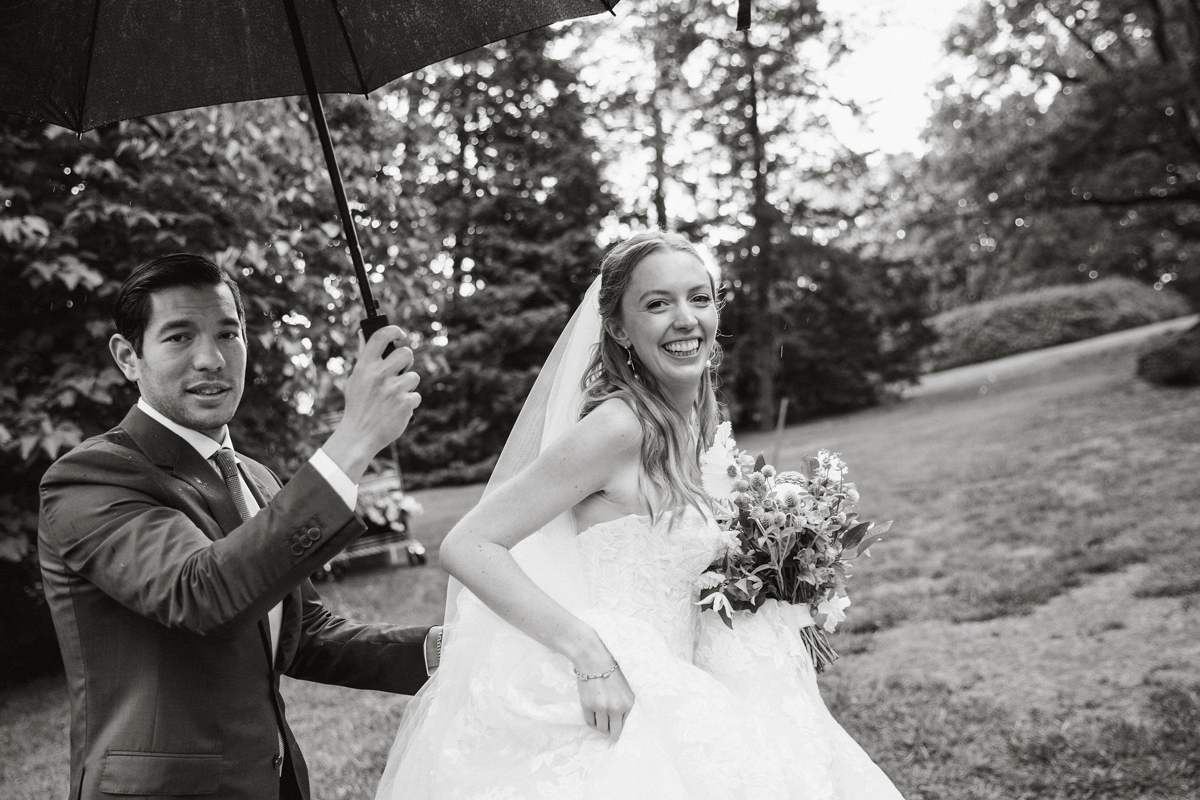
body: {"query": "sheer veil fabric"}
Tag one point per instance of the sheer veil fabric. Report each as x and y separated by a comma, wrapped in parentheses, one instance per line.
(549, 556)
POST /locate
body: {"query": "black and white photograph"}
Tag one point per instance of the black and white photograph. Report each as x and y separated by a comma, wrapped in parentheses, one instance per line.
(600, 400)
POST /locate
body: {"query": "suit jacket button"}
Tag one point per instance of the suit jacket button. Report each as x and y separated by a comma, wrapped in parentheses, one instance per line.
(298, 549)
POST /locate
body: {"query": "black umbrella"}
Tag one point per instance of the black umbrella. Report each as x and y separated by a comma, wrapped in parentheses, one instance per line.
(82, 63)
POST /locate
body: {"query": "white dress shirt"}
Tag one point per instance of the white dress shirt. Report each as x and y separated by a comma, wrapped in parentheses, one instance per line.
(207, 448)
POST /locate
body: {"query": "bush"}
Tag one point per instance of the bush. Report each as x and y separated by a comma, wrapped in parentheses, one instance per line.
(1044, 318)
(30, 646)
(1173, 360)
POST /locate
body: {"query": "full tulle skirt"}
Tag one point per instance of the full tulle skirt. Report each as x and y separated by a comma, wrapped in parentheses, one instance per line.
(746, 722)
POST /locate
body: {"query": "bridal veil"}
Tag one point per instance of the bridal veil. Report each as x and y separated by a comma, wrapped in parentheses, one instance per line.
(550, 557)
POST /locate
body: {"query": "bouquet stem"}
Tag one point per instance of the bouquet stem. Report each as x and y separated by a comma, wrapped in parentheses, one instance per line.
(819, 649)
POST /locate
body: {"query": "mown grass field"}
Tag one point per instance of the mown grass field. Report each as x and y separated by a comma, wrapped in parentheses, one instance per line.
(1031, 630)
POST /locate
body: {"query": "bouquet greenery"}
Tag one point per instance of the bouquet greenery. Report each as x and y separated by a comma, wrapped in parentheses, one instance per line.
(789, 537)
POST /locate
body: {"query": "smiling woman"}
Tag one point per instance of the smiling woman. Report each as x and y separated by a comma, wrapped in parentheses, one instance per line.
(182, 340)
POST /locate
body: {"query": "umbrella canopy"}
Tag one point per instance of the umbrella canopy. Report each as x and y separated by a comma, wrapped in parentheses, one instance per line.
(82, 63)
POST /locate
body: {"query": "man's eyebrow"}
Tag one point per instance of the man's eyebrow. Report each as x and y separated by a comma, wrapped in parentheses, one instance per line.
(183, 324)
(176, 324)
(698, 287)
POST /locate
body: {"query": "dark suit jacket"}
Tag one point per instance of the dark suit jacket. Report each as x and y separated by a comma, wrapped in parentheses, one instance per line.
(160, 597)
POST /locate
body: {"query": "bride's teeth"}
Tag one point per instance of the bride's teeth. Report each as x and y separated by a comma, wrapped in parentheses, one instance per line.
(683, 348)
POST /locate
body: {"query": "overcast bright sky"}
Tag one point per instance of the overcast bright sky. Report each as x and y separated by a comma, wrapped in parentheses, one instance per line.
(897, 57)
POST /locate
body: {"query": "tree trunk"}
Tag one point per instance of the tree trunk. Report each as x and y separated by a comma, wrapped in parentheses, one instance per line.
(762, 267)
(659, 143)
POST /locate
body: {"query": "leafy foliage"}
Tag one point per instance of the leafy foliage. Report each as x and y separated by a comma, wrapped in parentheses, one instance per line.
(1174, 360)
(1046, 317)
(1071, 153)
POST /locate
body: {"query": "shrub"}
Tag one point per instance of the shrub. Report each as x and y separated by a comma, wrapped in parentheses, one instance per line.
(1173, 360)
(1044, 318)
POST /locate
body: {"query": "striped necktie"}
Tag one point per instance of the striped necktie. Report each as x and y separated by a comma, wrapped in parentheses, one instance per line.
(227, 463)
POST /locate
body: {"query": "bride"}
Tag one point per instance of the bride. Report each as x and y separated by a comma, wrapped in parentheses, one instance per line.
(577, 663)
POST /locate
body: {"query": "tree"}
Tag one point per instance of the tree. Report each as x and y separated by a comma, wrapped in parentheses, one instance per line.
(515, 185)
(1072, 153)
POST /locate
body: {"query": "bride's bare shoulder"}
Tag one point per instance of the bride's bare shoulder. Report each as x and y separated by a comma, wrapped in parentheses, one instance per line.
(614, 424)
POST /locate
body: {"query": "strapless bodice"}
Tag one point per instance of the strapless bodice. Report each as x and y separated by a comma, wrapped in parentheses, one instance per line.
(648, 571)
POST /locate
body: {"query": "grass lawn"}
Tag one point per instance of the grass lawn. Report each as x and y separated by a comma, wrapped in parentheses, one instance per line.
(1031, 629)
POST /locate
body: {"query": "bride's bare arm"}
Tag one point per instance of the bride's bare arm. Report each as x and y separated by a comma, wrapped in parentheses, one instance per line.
(476, 552)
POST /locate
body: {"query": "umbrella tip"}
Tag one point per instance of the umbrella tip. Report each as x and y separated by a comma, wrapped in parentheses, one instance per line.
(608, 4)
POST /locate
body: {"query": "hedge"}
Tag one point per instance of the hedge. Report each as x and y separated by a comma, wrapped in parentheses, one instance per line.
(1046, 317)
(1173, 360)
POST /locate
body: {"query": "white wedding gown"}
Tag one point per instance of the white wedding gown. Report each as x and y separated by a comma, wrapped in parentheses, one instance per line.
(718, 714)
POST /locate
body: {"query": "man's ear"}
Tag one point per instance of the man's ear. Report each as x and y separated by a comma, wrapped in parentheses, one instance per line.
(125, 355)
(617, 332)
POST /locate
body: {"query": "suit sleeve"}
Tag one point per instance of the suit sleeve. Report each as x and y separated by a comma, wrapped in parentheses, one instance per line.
(111, 517)
(387, 658)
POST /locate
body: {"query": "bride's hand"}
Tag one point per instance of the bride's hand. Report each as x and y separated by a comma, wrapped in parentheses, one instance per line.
(606, 700)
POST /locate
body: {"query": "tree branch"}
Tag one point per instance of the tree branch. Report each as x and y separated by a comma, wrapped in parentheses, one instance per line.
(1077, 36)
(1161, 43)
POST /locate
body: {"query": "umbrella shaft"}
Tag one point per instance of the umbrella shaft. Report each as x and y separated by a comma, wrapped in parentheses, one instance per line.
(335, 174)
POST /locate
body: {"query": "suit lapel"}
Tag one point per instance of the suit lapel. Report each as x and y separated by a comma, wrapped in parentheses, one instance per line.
(172, 453)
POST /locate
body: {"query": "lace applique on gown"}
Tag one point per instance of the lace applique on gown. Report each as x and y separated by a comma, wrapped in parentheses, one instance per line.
(696, 731)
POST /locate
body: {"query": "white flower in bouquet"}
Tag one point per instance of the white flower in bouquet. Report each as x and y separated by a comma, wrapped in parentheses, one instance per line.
(728, 545)
(719, 469)
(834, 612)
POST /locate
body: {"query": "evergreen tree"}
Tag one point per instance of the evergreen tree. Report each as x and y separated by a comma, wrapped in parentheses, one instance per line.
(515, 184)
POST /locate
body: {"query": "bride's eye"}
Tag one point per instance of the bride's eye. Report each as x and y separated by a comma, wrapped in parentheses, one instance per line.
(702, 299)
(656, 305)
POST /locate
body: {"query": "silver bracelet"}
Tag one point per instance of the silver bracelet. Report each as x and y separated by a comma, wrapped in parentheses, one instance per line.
(604, 674)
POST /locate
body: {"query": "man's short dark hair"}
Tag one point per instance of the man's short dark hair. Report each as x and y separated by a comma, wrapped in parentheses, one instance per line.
(132, 312)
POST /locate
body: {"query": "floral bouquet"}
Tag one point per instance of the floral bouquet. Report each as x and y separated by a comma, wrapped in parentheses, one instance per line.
(789, 537)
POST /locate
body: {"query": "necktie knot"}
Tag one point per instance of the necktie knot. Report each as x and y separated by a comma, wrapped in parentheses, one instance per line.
(226, 462)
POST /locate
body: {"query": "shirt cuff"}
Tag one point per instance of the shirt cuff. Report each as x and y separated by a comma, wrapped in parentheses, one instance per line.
(334, 476)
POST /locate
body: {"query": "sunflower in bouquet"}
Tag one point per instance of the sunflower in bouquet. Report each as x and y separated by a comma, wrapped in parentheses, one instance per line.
(789, 537)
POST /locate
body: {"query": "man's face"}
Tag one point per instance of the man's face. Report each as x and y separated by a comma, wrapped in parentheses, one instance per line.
(193, 363)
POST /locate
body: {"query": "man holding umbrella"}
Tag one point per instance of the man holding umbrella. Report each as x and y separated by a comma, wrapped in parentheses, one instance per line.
(176, 569)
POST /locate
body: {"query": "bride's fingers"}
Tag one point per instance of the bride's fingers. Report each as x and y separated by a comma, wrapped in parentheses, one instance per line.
(616, 724)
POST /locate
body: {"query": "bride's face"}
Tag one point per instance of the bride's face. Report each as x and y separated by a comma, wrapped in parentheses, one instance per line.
(669, 318)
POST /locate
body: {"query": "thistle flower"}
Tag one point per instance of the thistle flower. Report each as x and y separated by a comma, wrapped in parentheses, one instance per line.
(788, 496)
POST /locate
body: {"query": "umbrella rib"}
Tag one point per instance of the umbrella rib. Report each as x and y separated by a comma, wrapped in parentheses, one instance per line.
(350, 48)
(87, 75)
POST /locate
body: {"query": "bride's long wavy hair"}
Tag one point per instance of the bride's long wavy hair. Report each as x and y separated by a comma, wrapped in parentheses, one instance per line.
(671, 446)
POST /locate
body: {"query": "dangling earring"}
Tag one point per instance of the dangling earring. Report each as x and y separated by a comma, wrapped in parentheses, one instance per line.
(629, 361)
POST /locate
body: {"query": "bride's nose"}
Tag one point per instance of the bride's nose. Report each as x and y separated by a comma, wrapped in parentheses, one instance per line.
(684, 318)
